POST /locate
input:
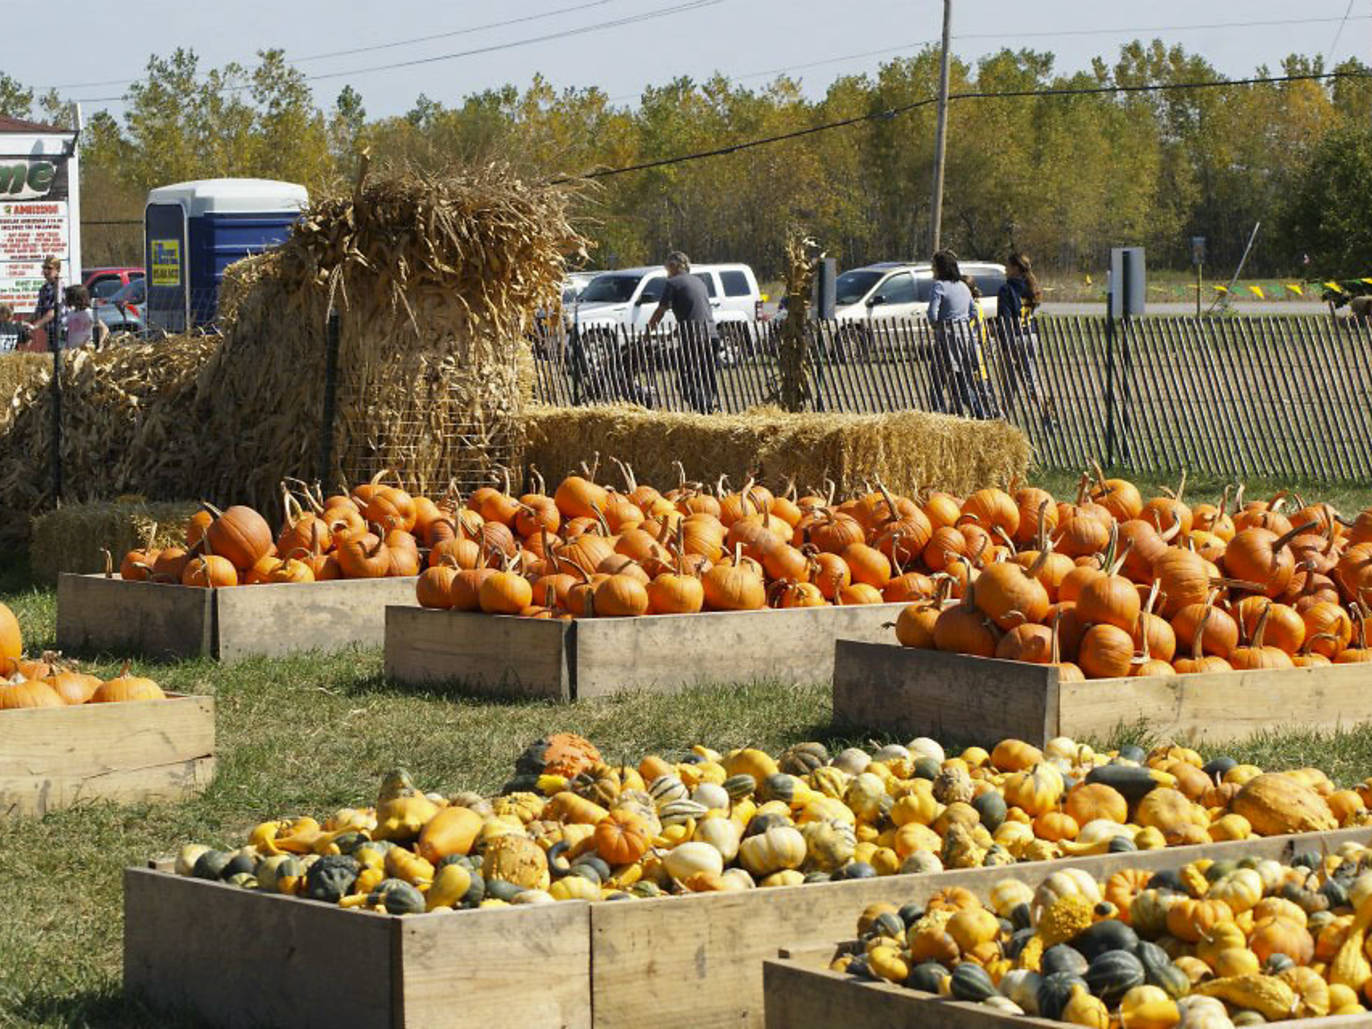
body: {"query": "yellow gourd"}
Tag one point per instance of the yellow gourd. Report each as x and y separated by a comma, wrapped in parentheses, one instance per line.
(1148, 1007)
(401, 810)
(450, 885)
(402, 864)
(1267, 995)
(1084, 1009)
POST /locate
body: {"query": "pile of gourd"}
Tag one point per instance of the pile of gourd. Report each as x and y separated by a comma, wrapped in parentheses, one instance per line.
(46, 682)
(1215, 944)
(372, 532)
(1112, 586)
(570, 826)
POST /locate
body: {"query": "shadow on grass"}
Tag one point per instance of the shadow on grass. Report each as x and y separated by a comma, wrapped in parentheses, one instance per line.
(109, 1008)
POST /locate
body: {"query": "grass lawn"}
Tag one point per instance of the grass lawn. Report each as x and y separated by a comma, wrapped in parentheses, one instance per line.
(308, 735)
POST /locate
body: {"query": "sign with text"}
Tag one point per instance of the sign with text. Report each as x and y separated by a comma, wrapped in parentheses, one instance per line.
(166, 262)
(34, 222)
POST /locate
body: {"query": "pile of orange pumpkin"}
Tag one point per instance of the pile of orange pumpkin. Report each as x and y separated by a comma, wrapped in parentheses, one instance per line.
(1111, 585)
(584, 549)
(43, 682)
(371, 532)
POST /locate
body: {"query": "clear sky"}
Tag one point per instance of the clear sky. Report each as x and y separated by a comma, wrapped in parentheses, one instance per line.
(745, 39)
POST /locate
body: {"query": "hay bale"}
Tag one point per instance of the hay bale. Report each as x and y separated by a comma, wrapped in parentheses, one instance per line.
(70, 539)
(907, 451)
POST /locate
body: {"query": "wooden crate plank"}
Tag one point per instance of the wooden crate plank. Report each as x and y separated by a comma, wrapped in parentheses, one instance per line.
(236, 958)
(515, 657)
(277, 619)
(52, 758)
(799, 996)
(100, 615)
(667, 653)
(698, 960)
(1221, 706)
(477, 967)
(887, 687)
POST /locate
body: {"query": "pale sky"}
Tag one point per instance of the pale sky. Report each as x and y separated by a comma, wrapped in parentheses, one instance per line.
(740, 38)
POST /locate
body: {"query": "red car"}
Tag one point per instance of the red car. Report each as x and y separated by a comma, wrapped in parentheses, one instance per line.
(103, 283)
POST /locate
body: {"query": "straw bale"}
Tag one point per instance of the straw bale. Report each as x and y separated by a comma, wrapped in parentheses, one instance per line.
(907, 451)
(70, 539)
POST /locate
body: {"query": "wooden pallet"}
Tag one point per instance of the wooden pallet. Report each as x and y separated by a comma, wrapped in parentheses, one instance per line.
(597, 657)
(52, 758)
(96, 614)
(892, 689)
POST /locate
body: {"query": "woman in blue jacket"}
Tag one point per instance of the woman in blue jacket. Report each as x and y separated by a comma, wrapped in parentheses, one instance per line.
(952, 364)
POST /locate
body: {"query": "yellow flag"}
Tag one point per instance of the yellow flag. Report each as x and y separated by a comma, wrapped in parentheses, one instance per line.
(1295, 287)
(1088, 280)
(1256, 290)
(1366, 280)
(1332, 285)
(1221, 289)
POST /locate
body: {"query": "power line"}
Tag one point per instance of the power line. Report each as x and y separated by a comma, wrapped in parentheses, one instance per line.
(692, 5)
(891, 112)
(471, 30)
(1339, 32)
(1166, 28)
(1018, 35)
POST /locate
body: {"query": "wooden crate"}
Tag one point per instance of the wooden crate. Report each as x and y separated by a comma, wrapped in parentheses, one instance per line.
(804, 994)
(697, 960)
(52, 758)
(893, 689)
(597, 657)
(233, 957)
(96, 614)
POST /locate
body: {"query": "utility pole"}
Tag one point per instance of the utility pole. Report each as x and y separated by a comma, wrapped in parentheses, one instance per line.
(940, 136)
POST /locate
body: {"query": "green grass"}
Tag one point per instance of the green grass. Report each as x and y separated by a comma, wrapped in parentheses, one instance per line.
(1346, 498)
(310, 734)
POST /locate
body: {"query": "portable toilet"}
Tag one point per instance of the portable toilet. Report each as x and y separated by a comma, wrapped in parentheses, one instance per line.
(192, 231)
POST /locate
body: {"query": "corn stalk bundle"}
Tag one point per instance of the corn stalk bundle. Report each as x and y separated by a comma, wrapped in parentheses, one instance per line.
(435, 280)
(127, 425)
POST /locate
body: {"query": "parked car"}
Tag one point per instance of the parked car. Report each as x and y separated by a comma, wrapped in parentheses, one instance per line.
(896, 290)
(103, 283)
(123, 311)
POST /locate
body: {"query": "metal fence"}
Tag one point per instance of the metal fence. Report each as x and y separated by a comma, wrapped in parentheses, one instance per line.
(1275, 396)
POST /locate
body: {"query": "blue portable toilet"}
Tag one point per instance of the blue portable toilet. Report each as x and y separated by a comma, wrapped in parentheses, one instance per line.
(192, 231)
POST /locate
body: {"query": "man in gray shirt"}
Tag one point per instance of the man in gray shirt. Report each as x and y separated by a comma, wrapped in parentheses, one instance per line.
(686, 297)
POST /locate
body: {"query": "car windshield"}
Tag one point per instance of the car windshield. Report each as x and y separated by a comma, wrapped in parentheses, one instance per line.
(133, 293)
(853, 286)
(610, 289)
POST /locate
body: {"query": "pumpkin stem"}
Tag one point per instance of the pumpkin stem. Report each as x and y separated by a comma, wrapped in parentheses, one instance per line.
(680, 475)
(1282, 541)
(109, 562)
(1238, 497)
(790, 493)
(1152, 597)
(831, 489)
(1199, 636)
(1174, 529)
(626, 473)
(1224, 505)
(1261, 627)
(1041, 535)
(1055, 648)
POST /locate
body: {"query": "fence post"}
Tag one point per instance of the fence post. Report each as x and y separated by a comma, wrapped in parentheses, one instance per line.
(56, 412)
(331, 334)
(1109, 389)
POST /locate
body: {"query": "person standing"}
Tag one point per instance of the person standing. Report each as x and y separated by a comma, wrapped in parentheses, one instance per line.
(14, 334)
(48, 312)
(1016, 303)
(688, 300)
(950, 313)
(82, 324)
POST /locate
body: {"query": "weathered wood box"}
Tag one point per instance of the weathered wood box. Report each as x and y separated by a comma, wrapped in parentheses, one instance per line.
(802, 993)
(697, 960)
(52, 758)
(597, 657)
(96, 614)
(233, 957)
(912, 692)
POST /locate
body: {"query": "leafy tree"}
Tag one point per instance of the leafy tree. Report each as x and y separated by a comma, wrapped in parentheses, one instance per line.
(1330, 215)
(15, 100)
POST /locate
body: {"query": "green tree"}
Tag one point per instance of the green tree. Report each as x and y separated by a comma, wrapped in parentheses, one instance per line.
(1329, 212)
(15, 100)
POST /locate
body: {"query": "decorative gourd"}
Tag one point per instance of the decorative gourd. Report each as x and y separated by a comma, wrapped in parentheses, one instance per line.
(1276, 804)
(516, 859)
(771, 851)
(688, 859)
(453, 830)
(1148, 1007)
(1113, 974)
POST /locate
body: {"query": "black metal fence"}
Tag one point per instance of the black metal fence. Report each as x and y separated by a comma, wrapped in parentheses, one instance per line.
(1276, 396)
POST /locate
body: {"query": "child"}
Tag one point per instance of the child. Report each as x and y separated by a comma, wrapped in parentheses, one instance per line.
(81, 321)
(13, 332)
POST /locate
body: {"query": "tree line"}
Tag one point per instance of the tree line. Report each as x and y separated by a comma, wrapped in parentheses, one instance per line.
(1061, 177)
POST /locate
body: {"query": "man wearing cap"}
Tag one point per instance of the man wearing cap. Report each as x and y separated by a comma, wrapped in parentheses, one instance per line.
(686, 297)
(47, 313)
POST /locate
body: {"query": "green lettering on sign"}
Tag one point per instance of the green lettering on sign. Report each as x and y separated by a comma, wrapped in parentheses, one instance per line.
(41, 174)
